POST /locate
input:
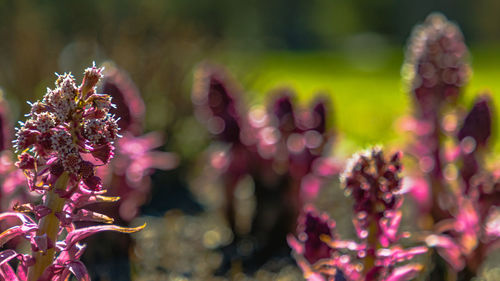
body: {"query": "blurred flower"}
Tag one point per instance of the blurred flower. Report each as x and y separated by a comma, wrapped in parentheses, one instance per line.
(375, 186)
(12, 179)
(478, 122)
(216, 107)
(473, 136)
(129, 106)
(279, 147)
(55, 146)
(436, 65)
(128, 174)
(468, 235)
(436, 69)
(135, 160)
(311, 226)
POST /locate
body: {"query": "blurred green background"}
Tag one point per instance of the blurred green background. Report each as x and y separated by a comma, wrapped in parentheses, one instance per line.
(352, 50)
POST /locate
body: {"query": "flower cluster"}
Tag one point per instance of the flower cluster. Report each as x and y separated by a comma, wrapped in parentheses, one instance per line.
(436, 65)
(67, 124)
(436, 70)
(279, 147)
(375, 186)
(67, 135)
(450, 147)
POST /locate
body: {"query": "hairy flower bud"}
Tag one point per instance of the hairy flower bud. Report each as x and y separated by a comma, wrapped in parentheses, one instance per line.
(91, 77)
(436, 63)
(374, 184)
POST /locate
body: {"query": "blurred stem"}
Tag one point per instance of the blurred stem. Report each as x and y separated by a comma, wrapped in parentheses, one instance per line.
(373, 245)
(49, 225)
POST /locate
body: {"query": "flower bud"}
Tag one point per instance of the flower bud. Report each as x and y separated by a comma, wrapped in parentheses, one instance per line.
(436, 63)
(91, 77)
(26, 161)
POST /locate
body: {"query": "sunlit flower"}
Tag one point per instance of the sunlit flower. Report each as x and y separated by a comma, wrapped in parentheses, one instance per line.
(375, 186)
(57, 146)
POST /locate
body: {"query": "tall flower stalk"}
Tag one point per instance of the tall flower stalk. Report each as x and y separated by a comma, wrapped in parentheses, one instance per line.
(375, 186)
(465, 239)
(436, 70)
(450, 148)
(68, 134)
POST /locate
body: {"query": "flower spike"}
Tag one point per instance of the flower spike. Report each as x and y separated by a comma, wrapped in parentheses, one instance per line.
(67, 136)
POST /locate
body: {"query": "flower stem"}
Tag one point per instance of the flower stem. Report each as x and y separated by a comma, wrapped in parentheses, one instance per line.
(49, 225)
(372, 247)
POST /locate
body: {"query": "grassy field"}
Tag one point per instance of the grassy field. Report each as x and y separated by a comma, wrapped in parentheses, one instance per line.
(367, 93)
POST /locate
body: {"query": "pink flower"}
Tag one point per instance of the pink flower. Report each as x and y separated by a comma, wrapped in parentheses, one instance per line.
(375, 186)
(279, 146)
(436, 66)
(62, 131)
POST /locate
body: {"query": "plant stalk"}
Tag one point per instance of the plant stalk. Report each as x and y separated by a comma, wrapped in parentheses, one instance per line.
(49, 225)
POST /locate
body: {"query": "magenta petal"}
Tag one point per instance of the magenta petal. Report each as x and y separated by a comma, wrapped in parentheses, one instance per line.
(86, 215)
(308, 272)
(7, 273)
(22, 271)
(403, 273)
(295, 245)
(315, 277)
(103, 153)
(15, 231)
(130, 144)
(310, 187)
(22, 268)
(39, 243)
(85, 232)
(409, 253)
(81, 200)
(421, 192)
(7, 255)
(50, 272)
(448, 249)
(38, 210)
(73, 253)
(79, 270)
(390, 228)
(24, 218)
(93, 183)
(326, 166)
